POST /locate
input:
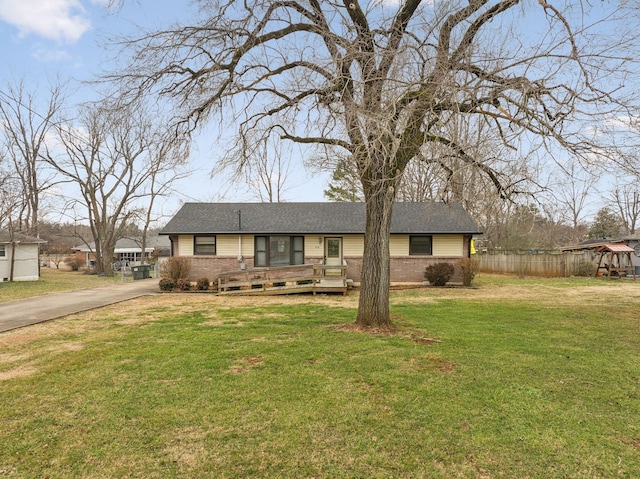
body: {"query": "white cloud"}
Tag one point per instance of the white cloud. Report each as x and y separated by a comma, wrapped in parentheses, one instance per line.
(50, 55)
(384, 3)
(622, 121)
(60, 20)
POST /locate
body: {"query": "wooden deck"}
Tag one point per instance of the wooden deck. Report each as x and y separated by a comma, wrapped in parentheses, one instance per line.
(306, 278)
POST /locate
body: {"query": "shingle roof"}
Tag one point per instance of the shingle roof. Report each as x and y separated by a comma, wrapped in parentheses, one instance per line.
(314, 218)
(5, 237)
(129, 245)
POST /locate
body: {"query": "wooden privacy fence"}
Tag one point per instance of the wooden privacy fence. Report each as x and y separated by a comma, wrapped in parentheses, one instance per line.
(549, 264)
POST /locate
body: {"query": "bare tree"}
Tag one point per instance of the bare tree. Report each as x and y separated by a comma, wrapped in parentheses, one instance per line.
(166, 154)
(11, 203)
(574, 189)
(438, 175)
(8, 192)
(25, 130)
(266, 177)
(377, 83)
(112, 157)
(270, 179)
(625, 198)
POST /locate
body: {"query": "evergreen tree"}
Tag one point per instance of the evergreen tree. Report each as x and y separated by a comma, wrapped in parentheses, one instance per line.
(605, 225)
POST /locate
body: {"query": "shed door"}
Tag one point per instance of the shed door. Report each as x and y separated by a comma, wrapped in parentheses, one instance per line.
(332, 255)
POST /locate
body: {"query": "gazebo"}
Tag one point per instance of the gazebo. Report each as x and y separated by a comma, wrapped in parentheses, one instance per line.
(615, 260)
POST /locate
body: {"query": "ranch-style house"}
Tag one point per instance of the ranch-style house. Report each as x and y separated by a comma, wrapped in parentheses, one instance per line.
(224, 237)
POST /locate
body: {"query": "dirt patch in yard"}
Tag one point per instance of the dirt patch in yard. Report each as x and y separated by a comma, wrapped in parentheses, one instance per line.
(11, 358)
(245, 364)
(18, 372)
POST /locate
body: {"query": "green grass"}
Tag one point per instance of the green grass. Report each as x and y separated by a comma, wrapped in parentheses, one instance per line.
(475, 383)
(54, 281)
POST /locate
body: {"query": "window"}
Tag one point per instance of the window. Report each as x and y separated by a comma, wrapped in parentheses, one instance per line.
(298, 249)
(279, 250)
(260, 258)
(204, 245)
(2, 251)
(129, 257)
(420, 245)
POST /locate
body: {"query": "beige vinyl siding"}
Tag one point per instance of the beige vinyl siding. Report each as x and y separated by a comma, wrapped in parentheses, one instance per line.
(353, 245)
(227, 245)
(448, 245)
(399, 245)
(443, 245)
(314, 246)
(233, 245)
(185, 245)
(248, 247)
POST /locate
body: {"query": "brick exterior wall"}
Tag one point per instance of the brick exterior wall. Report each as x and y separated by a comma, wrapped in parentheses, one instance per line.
(211, 266)
(404, 269)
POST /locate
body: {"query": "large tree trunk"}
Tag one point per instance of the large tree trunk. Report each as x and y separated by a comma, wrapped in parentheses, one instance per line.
(108, 247)
(103, 252)
(373, 308)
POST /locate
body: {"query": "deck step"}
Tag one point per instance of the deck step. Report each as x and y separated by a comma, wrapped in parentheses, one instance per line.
(288, 289)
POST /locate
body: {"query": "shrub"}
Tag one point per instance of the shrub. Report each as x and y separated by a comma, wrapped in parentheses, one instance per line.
(184, 284)
(175, 268)
(585, 268)
(72, 263)
(439, 274)
(202, 284)
(167, 284)
(468, 268)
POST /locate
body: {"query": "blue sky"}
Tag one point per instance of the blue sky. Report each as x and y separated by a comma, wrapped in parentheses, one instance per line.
(45, 39)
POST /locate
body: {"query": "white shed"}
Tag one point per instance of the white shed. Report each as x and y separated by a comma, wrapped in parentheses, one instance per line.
(20, 253)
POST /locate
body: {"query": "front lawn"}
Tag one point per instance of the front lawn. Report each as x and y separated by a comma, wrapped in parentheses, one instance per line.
(513, 379)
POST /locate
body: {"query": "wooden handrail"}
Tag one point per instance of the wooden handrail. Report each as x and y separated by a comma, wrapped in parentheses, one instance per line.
(293, 277)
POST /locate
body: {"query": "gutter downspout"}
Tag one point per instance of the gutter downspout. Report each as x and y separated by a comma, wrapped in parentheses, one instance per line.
(240, 238)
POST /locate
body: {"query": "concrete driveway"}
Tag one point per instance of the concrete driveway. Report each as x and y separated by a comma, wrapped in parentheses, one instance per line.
(25, 312)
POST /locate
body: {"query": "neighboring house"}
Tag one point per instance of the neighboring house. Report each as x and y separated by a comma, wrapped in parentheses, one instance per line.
(26, 260)
(633, 242)
(127, 251)
(224, 237)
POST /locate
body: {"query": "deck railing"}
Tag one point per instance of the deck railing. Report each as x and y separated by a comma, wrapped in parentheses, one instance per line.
(285, 280)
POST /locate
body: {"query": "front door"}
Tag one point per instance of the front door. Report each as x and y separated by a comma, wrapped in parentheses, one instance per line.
(332, 255)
